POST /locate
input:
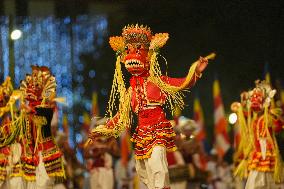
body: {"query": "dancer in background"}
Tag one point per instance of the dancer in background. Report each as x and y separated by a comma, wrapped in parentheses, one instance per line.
(41, 158)
(261, 151)
(100, 162)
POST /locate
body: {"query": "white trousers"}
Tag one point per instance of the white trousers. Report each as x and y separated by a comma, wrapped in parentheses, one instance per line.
(102, 178)
(154, 170)
(43, 181)
(261, 180)
(14, 183)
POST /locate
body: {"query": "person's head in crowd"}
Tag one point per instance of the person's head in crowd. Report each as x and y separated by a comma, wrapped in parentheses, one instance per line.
(187, 127)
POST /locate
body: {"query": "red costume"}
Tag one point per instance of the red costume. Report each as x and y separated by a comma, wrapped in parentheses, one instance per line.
(149, 90)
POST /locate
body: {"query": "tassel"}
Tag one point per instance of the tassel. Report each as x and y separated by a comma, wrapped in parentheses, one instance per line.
(121, 94)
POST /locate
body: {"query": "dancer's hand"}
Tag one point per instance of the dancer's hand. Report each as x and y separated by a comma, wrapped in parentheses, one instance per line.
(202, 64)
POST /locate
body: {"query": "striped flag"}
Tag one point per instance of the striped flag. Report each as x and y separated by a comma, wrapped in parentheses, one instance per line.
(86, 122)
(199, 119)
(95, 106)
(222, 142)
(200, 132)
(65, 125)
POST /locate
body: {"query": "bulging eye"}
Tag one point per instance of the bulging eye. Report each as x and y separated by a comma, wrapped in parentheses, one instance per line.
(138, 48)
(126, 49)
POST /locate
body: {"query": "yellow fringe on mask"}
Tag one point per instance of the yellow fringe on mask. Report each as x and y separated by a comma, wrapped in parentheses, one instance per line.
(175, 96)
(39, 121)
(123, 96)
(244, 147)
(278, 177)
(242, 169)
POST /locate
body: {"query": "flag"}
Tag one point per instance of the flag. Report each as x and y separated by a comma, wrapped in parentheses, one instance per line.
(199, 119)
(86, 122)
(65, 125)
(222, 142)
(95, 106)
(125, 147)
(200, 132)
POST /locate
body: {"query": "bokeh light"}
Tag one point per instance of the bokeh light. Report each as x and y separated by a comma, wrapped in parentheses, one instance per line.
(233, 118)
(16, 34)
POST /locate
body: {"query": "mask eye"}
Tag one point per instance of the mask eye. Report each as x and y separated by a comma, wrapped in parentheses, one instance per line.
(138, 48)
(126, 49)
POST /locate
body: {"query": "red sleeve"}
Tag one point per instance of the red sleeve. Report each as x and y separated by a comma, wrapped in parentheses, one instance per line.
(177, 82)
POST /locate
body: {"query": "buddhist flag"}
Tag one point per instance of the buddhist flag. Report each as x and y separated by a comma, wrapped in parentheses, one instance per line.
(95, 106)
(199, 119)
(86, 122)
(125, 147)
(222, 142)
(65, 125)
(200, 133)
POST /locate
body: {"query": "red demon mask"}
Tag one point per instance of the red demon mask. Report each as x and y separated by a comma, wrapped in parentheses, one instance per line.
(257, 99)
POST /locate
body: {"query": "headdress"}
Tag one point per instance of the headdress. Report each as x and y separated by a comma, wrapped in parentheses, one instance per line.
(265, 89)
(135, 34)
(39, 88)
